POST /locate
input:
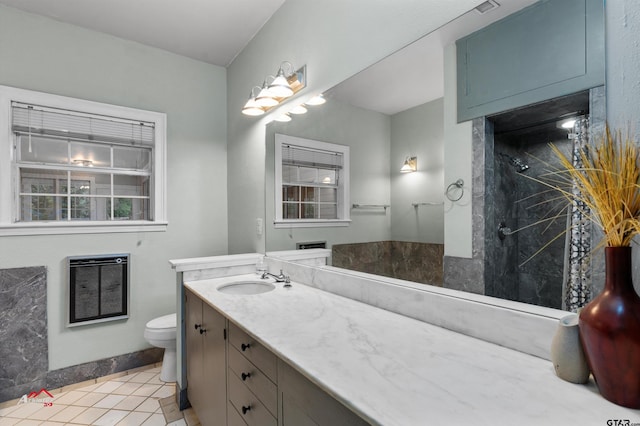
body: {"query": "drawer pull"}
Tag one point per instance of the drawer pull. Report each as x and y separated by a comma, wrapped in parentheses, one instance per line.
(245, 346)
(202, 330)
(197, 326)
(245, 376)
(245, 408)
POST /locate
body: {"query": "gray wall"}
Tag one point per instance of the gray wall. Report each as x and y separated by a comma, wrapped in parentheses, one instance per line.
(419, 132)
(45, 55)
(458, 162)
(622, 76)
(623, 64)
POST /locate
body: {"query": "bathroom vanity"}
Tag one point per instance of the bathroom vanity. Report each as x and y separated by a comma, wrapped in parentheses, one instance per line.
(256, 377)
(302, 355)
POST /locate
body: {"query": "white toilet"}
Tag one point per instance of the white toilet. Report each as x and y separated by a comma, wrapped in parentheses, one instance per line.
(161, 332)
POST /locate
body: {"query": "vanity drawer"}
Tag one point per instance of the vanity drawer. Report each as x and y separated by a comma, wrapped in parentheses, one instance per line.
(254, 379)
(241, 399)
(233, 417)
(260, 356)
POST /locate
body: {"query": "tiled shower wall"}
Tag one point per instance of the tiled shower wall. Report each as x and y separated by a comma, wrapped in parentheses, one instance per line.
(521, 271)
(417, 262)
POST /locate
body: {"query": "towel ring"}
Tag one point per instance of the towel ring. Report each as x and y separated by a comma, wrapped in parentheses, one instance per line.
(457, 184)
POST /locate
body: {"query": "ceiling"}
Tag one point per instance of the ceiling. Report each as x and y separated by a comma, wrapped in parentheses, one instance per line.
(213, 31)
(216, 31)
(415, 74)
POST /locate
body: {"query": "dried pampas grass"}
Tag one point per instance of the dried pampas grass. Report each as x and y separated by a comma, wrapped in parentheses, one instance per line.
(608, 184)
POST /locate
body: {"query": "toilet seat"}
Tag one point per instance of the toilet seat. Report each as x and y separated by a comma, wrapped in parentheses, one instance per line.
(167, 321)
(161, 328)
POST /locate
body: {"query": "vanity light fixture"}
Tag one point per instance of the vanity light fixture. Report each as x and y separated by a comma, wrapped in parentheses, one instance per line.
(286, 83)
(410, 165)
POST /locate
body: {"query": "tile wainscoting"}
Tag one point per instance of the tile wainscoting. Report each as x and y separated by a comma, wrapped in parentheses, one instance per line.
(24, 364)
(23, 330)
(411, 261)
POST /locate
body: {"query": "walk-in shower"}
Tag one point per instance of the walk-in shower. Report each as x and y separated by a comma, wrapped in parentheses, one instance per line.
(528, 254)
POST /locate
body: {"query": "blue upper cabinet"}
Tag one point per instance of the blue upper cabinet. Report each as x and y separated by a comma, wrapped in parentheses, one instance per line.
(550, 49)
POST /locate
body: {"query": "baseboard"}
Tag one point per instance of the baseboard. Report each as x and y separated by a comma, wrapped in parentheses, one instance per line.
(57, 379)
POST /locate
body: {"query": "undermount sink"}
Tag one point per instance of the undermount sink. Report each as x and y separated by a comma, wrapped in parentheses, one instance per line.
(246, 287)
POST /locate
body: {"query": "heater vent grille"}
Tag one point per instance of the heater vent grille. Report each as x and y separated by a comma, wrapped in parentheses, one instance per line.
(98, 288)
(311, 245)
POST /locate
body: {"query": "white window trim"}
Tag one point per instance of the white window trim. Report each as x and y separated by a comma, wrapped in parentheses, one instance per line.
(343, 211)
(7, 184)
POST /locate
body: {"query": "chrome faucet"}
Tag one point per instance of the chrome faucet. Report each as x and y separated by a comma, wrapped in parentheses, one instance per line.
(281, 278)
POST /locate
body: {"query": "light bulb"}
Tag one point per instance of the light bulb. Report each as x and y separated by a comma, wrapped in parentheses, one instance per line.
(299, 109)
(316, 100)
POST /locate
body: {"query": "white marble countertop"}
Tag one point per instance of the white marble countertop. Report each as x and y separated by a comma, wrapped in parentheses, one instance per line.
(394, 370)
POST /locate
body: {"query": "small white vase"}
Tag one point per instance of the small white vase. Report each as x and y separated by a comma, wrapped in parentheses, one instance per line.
(567, 355)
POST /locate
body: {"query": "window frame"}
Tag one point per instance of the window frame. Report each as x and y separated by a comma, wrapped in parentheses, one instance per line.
(8, 167)
(343, 208)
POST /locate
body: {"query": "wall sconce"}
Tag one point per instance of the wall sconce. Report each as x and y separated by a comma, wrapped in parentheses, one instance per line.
(410, 165)
(285, 84)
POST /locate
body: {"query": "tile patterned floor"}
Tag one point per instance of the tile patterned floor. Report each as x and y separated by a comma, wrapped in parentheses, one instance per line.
(133, 398)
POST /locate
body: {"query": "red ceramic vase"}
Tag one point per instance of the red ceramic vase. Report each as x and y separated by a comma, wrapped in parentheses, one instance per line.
(610, 332)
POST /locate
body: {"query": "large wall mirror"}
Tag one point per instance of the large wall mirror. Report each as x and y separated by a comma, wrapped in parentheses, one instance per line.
(391, 114)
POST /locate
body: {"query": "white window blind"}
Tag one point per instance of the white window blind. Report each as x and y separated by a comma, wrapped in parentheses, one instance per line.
(37, 120)
(299, 156)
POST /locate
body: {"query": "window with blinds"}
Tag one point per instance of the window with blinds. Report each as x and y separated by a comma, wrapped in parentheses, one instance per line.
(81, 163)
(311, 181)
(76, 166)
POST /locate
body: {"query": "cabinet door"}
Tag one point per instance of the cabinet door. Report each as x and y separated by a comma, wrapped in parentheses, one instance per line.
(214, 394)
(293, 414)
(304, 404)
(206, 361)
(193, 343)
